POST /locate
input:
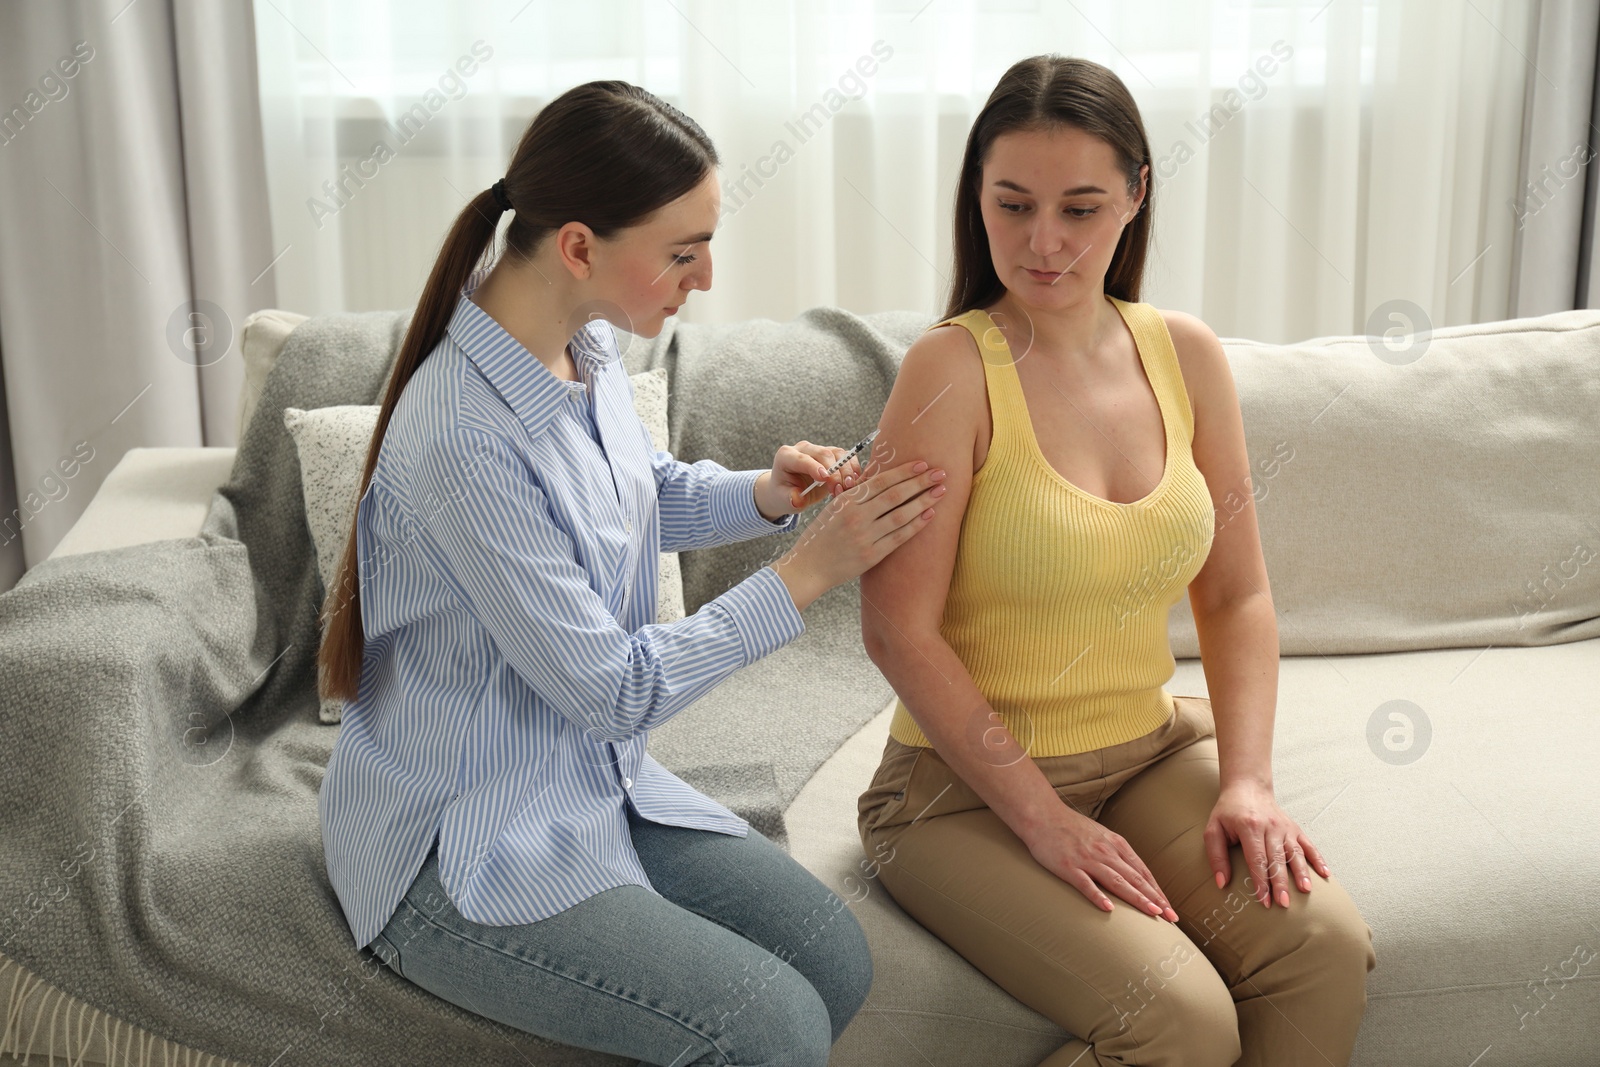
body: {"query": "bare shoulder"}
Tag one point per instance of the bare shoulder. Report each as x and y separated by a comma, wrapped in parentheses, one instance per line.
(943, 350)
(933, 414)
(939, 394)
(1207, 377)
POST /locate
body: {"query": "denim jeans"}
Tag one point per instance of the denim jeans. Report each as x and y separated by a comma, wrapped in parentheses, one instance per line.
(744, 957)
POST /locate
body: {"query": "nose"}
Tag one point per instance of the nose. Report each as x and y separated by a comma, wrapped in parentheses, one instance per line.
(700, 277)
(1047, 236)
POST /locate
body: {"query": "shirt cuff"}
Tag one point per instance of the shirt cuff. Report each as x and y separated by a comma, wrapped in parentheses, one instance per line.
(734, 512)
(763, 612)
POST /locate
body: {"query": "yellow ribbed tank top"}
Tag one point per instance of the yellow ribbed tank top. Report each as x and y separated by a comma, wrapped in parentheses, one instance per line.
(1058, 601)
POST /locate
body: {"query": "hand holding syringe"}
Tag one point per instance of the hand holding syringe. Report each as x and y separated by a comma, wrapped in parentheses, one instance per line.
(842, 460)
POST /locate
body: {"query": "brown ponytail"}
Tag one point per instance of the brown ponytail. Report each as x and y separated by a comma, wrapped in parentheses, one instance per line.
(1037, 93)
(606, 154)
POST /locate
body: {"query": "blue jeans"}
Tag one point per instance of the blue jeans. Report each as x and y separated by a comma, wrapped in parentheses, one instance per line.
(744, 957)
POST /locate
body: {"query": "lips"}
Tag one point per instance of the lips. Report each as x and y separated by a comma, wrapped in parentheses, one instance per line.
(1044, 275)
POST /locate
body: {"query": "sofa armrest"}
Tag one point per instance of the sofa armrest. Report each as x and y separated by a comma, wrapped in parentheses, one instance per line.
(150, 495)
(156, 493)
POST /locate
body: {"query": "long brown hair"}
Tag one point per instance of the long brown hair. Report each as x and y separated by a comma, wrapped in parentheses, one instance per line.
(607, 154)
(1041, 92)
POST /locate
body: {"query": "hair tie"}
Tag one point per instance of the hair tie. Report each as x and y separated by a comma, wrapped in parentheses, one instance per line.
(500, 197)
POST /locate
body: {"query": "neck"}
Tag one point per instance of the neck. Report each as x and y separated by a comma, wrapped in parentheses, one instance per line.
(1069, 334)
(535, 303)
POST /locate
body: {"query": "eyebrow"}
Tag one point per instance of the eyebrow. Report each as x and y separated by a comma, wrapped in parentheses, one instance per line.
(696, 239)
(1076, 190)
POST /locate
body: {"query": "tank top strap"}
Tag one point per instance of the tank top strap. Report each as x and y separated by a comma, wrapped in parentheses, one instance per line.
(1008, 406)
(1160, 356)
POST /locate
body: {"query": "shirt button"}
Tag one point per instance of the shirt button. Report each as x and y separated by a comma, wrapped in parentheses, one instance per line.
(627, 783)
(630, 526)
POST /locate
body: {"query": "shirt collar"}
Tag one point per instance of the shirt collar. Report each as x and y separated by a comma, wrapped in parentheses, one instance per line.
(528, 386)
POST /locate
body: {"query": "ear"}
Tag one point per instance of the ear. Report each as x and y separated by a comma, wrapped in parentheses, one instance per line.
(1144, 179)
(575, 244)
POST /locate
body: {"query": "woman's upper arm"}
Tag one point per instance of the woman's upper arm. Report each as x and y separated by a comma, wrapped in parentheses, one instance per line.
(933, 414)
(1235, 566)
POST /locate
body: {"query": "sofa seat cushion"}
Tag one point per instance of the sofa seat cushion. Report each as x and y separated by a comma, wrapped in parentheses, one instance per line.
(1455, 802)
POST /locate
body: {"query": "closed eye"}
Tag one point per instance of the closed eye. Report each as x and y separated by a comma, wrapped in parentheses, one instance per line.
(684, 259)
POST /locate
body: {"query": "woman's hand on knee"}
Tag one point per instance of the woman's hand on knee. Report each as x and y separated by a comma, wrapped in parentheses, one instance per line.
(1087, 856)
(1274, 845)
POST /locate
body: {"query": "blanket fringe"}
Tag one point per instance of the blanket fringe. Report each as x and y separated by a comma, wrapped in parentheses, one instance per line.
(120, 1044)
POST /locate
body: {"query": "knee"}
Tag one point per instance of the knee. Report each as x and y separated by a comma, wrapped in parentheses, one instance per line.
(839, 967)
(1190, 1022)
(1341, 941)
(782, 1022)
(854, 966)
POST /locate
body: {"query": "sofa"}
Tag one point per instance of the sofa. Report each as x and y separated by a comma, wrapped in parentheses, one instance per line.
(1430, 517)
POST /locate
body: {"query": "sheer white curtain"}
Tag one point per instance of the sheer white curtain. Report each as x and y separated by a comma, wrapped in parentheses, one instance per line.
(1314, 161)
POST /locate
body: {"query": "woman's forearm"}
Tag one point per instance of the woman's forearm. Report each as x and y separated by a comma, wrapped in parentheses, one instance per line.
(963, 728)
(1239, 653)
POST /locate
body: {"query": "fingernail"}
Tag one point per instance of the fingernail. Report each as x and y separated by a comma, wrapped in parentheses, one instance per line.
(937, 476)
(1305, 884)
(919, 466)
(1220, 879)
(1283, 897)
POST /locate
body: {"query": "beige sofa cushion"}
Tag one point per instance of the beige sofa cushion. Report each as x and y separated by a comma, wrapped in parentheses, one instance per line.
(1445, 502)
(1466, 839)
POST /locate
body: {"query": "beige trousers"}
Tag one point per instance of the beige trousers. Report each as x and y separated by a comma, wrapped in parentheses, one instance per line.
(1231, 983)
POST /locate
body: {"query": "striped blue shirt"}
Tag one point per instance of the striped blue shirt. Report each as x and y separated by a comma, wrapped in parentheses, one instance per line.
(513, 667)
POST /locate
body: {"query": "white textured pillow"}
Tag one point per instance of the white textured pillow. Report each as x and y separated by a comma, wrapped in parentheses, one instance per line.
(332, 443)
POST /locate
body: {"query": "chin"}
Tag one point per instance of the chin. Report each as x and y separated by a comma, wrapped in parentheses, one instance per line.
(1033, 294)
(649, 328)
